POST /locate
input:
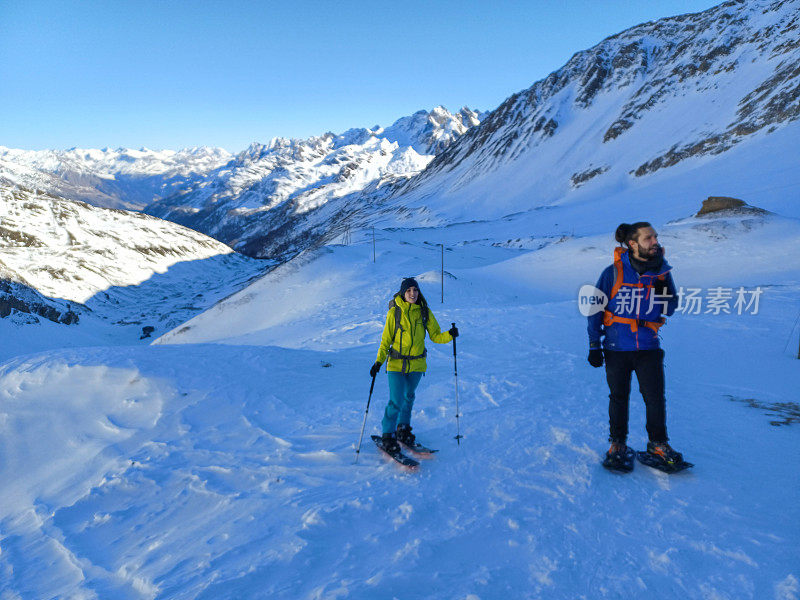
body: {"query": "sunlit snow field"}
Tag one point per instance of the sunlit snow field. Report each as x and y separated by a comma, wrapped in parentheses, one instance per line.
(219, 462)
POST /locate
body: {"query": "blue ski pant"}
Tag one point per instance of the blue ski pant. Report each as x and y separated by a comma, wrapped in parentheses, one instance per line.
(401, 400)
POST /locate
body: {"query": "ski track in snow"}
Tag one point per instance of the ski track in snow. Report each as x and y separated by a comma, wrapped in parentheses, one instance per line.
(227, 471)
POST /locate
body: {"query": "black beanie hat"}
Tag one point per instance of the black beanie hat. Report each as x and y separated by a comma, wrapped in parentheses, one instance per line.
(407, 283)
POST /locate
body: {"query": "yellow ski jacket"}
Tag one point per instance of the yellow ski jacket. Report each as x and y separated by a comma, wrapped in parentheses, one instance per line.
(404, 345)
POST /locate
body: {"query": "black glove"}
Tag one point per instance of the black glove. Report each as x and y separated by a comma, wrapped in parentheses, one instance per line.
(374, 369)
(453, 331)
(595, 357)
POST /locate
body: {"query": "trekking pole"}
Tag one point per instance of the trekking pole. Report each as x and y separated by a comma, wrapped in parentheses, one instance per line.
(455, 367)
(366, 412)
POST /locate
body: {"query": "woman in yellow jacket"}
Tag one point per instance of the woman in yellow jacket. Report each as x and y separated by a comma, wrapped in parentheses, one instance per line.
(403, 342)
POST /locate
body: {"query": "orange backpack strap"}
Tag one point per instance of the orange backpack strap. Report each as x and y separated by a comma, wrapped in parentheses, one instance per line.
(608, 316)
(618, 252)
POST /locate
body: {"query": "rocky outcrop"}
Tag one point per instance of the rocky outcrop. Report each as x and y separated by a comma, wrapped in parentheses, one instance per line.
(578, 179)
(726, 205)
(16, 297)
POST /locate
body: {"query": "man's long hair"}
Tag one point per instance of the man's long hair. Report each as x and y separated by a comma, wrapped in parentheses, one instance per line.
(627, 232)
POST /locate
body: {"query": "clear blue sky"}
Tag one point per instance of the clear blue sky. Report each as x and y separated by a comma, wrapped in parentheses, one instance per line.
(174, 73)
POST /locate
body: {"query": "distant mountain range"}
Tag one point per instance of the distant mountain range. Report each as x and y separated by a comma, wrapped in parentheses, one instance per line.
(122, 178)
(262, 176)
(261, 192)
(646, 105)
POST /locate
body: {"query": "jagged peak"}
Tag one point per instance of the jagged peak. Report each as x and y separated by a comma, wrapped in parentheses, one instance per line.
(425, 130)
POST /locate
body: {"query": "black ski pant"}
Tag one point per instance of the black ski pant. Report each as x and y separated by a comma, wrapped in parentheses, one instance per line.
(649, 368)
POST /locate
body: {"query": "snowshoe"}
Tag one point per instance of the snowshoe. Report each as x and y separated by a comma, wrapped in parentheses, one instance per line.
(619, 458)
(409, 442)
(404, 435)
(661, 456)
(389, 446)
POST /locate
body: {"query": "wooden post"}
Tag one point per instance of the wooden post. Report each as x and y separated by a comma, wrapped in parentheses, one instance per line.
(442, 245)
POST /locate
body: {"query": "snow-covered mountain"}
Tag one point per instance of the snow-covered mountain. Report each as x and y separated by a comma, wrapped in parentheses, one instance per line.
(654, 102)
(260, 193)
(658, 108)
(121, 178)
(666, 96)
(68, 261)
(257, 202)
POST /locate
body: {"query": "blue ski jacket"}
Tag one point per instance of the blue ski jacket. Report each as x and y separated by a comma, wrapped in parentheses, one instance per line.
(634, 313)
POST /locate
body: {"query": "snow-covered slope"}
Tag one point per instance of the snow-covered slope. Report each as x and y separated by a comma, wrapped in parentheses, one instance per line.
(500, 261)
(652, 102)
(121, 178)
(226, 470)
(70, 262)
(251, 202)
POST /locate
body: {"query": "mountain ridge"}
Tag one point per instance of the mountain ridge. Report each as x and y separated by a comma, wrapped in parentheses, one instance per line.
(651, 60)
(269, 186)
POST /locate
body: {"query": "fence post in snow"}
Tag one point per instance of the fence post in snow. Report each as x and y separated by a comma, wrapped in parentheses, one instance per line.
(442, 245)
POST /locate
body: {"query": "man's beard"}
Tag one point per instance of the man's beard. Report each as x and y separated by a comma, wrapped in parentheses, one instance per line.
(650, 254)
